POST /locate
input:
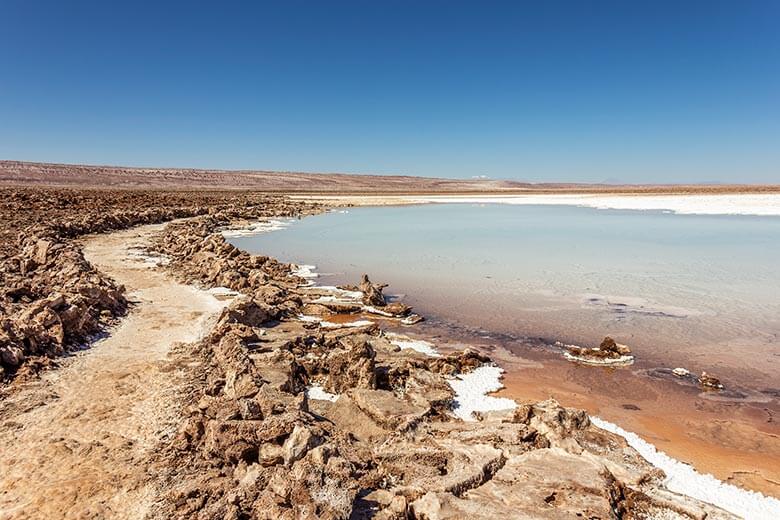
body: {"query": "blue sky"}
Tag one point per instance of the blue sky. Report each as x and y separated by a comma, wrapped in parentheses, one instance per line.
(546, 91)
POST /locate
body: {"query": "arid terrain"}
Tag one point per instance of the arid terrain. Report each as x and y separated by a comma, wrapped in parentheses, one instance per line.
(19, 173)
(159, 372)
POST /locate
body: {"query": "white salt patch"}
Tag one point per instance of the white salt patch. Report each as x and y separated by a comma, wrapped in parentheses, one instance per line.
(336, 299)
(618, 361)
(331, 325)
(336, 295)
(358, 323)
(304, 271)
(222, 291)
(471, 392)
(373, 310)
(326, 299)
(684, 479)
(734, 204)
(258, 228)
(418, 345)
(410, 320)
(152, 260)
(319, 393)
(336, 290)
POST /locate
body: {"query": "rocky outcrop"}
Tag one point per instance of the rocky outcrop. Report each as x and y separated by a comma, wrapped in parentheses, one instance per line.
(709, 381)
(372, 292)
(373, 301)
(607, 353)
(380, 441)
(52, 299)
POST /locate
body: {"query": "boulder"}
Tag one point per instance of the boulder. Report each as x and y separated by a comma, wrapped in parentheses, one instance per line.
(247, 311)
(709, 381)
(372, 293)
(298, 443)
(353, 366)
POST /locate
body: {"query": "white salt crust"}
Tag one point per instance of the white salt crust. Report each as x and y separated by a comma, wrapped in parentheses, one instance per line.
(606, 362)
(318, 393)
(734, 204)
(373, 310)
(336, 291)
(331, 325)
(471, 392)
(619, 361)
(258, 228)
(682, 478)
(357, 323)
(222, 291)
(418, 345)
(152, 260)
(304, 271)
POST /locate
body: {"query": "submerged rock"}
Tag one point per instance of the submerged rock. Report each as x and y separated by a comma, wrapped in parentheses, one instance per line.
(607, 353)
(709, 381)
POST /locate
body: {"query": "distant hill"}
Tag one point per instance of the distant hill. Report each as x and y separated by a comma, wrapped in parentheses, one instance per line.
(20, 173)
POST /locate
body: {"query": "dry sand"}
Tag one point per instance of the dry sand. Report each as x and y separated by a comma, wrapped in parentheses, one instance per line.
(76, 442)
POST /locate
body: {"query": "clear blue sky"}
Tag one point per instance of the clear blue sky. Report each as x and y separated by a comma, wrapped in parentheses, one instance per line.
(562, 91)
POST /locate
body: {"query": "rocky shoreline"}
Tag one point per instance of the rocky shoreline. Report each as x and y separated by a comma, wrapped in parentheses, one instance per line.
(291, 418)
(52, 300)
(380, 441)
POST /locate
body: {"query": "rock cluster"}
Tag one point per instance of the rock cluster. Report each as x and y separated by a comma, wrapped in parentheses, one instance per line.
(379, 442)
(51, 298)
(607, 353)
(709, 381)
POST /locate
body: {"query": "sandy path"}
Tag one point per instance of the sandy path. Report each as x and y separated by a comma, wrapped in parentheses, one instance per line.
(75, 443)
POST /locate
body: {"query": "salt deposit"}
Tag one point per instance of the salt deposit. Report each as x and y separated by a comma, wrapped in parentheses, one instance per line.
(418, 345)
(258, 228)
(318, 393)
(152, 260)
(684, 479)
(222, 291)
(618, 361)
(331, 325)
(357, 323)
(734, 204)
(304, 271)
(471, 392)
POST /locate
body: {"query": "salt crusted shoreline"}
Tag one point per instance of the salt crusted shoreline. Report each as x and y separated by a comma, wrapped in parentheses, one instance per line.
(266, 437)
(472, 400)
(767, 204)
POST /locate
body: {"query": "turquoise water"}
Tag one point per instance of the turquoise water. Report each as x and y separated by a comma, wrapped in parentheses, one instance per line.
(681, 289)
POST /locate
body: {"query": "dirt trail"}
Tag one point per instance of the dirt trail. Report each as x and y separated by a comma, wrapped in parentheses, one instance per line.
(75, 443)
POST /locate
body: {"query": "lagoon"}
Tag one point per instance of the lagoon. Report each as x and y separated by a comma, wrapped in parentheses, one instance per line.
(701, 291)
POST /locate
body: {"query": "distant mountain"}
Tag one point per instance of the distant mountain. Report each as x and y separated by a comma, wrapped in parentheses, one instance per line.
(16, 173)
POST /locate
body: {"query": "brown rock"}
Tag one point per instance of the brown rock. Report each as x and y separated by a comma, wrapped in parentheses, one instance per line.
(372, 293)
(297, 444)
(709, 381)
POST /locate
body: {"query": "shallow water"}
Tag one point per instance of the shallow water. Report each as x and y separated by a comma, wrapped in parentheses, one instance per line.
(701, 291)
